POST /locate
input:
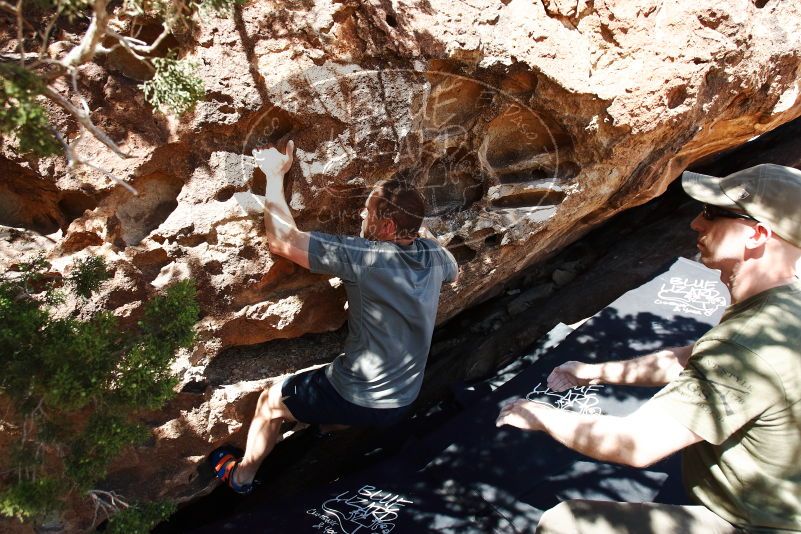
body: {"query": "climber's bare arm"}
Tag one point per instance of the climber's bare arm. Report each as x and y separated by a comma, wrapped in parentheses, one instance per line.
(283, 235)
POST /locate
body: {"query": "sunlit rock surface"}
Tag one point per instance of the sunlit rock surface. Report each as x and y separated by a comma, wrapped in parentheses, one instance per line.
(525, 123)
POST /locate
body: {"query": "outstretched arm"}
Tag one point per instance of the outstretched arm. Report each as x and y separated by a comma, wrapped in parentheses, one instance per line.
(639, 440)
(283, 235)
(655, 369)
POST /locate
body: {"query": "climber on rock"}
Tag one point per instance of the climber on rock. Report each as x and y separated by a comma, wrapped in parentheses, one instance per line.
(731, 401)
(392, 279)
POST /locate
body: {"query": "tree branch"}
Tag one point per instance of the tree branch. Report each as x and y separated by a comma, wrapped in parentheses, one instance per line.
(48, 29)
(139, 45)
(8, 8)
(107, 501)
(73, 161)
(84, 103)
(85, 50)
(19, 57)
(111, 176)
(84, 120)
(20, 34)
(126, 43)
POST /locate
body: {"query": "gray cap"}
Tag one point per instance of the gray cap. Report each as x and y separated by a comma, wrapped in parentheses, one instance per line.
(769, 193)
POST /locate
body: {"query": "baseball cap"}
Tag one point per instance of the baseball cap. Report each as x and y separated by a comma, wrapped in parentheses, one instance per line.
(769, 193)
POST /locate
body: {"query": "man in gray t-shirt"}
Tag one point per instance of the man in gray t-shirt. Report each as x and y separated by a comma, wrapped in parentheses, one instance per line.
(392, 279)
(393, 292)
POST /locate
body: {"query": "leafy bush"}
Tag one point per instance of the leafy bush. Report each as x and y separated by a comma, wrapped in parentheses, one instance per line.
(29, 497)
(21, 115)
(88, 275)
(75, 386)
(140, 518)
(175, 88)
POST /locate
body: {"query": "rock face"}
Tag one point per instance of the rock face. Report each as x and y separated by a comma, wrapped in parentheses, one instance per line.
(525, 123)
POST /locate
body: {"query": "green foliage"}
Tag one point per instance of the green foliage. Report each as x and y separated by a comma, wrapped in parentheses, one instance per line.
(76, 385)
(140, 518)
(32, 270)
(103, 439)
(144, 378)
(168, 319)
(21, 115)
(88, 275)
(29, 498)
(76, 359)
(33, 279)
(175, 88)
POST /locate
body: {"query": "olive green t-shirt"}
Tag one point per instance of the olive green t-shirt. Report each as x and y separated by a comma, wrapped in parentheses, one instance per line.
(741, 393)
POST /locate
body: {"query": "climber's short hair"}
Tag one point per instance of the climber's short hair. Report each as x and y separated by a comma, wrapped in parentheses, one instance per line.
(400, 201)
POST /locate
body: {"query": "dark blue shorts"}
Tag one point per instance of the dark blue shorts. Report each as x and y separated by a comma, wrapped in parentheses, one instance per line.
(312, 399)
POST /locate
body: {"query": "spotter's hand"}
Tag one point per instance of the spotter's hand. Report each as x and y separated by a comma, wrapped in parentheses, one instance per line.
(522, 413)
(572, 374)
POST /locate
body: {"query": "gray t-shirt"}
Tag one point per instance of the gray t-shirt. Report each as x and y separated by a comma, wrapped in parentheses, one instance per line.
(393, 292)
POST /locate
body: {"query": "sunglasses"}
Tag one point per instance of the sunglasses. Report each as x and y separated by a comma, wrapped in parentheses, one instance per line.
(711, 213)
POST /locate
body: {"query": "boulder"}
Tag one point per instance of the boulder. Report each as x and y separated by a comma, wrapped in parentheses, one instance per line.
(525, 124)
